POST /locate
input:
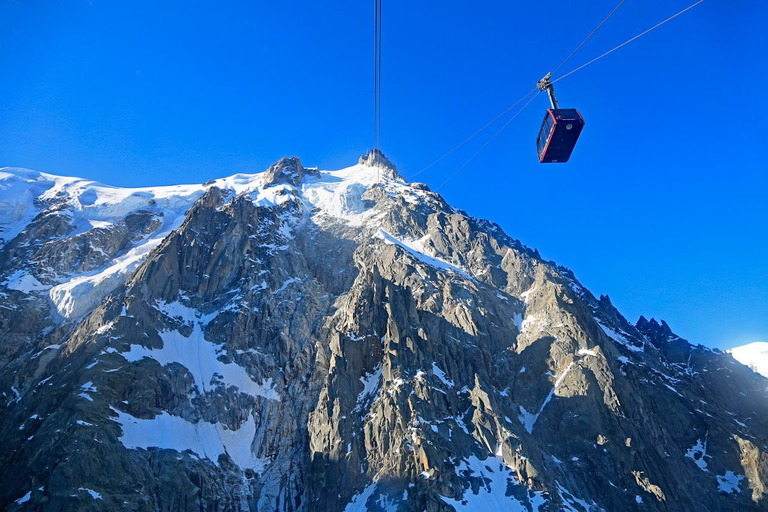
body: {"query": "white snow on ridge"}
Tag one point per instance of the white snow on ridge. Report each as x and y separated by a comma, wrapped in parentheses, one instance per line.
(207, 440)
(527, 419)
(336, 193)
(18, 190)
(200, 356)
(82, 293)
(754, 355)
(339, 193)
(97, 206)
(417, 249)
(618, 337)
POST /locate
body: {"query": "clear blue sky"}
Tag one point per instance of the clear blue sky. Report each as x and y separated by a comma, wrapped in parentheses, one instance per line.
(663, 205)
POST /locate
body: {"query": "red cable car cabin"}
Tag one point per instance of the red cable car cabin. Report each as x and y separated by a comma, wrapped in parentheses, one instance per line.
(558, 134)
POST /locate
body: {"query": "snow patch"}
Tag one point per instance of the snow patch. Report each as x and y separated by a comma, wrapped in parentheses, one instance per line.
(416, 248)
(360, 500)
(527, 293)
(571, 503)
(371, 383)
(698, 453)
(440, 374)
(338, 194)
(286, 284)
(207, 440)
(23, 282)
(95, 495)
(729, 482)
(82, 293)
(200, 356)
(495, 477)
(533, 324)
(519, 321)
(619, 337)
(529, 420)
(24, 498)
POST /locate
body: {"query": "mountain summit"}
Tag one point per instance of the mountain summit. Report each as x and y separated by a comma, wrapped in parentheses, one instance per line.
(754, 355)
(306, 340)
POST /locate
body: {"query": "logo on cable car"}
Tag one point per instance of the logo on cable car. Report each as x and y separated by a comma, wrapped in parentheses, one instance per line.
(568, 126)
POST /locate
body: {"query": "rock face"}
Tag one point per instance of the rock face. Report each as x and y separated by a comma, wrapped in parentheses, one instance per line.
(303, 340)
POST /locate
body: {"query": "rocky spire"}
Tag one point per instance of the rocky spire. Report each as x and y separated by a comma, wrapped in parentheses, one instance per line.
(657, 332)
(375, 158)
(286, 170)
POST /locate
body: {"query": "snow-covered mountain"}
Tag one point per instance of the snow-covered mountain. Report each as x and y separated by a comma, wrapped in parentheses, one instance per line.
(754, 355)
(303, 340)
(98, 211)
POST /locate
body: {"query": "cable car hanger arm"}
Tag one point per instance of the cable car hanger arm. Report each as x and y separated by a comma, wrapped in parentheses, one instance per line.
(545, 85)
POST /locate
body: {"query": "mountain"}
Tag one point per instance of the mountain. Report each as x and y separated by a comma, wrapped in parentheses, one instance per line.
(754, 355)
(306, 340)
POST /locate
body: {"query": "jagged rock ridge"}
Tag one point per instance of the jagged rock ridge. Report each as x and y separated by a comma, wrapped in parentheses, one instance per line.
(303, 340)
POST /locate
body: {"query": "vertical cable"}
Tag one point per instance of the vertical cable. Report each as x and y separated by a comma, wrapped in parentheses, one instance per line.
(375, 71)
(378, 126)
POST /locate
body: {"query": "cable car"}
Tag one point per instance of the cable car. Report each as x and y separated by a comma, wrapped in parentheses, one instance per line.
(560, 129)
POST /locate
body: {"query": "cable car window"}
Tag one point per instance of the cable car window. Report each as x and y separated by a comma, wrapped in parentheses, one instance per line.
(544, 133)
(541, 141)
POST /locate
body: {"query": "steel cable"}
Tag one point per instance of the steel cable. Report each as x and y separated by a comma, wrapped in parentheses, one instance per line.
(457, 171)
(478, 132)
(628, 41)
(534, 90)
(588, 37)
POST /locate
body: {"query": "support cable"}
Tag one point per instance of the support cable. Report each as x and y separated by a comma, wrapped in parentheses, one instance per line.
(457, 171)
(628, 41)
(451, 151)
(588, 37)
(376, 74)
(478, 132)
(378, 101)
(534, 90)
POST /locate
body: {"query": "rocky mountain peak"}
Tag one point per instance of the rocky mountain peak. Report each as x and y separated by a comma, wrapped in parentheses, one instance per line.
(376, 158)
(285, 171)
(301, 340)
(754, 355)
(657, 332)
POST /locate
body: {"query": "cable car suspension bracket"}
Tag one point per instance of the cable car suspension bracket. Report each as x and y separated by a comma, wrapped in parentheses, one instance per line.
(545, 85)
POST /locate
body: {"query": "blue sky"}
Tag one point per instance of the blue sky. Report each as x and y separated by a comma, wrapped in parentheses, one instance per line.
(663, 205)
